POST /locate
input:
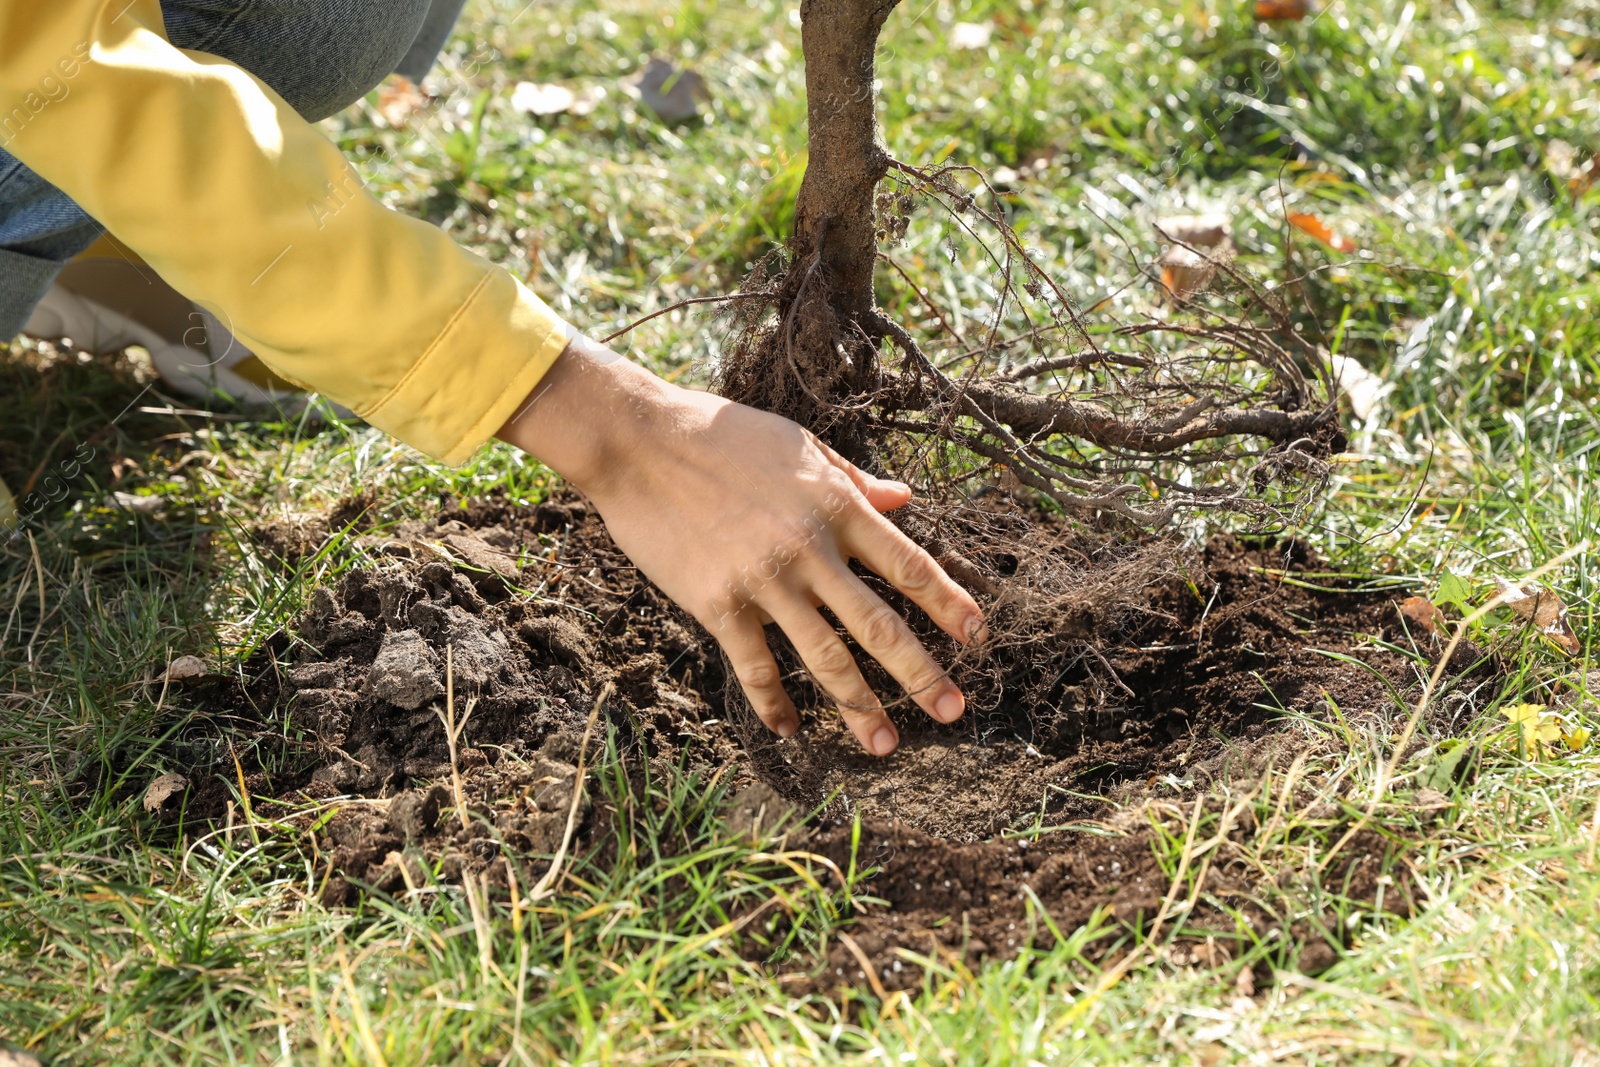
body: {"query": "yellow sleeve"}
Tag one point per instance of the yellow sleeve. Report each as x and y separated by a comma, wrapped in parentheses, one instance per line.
(244, 207)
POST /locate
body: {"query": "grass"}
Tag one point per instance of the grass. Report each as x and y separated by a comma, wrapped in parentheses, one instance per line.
(1427, 133)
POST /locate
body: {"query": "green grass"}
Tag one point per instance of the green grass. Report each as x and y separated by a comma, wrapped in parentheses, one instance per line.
(1424, 132)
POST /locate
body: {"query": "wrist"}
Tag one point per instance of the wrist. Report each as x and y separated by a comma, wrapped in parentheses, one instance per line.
(590, 416)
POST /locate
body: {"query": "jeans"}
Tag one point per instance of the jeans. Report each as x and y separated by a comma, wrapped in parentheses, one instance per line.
(319, 55)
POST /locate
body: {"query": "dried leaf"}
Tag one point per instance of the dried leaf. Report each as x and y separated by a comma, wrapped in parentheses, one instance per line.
(1545, 610)
(1422, 613)
(186, 667)
(673, 94)
(970, 36)
(1283, 10)
(1188, 264)
(1321, 231)
(398, 99)
(164, 789)
(1364, 389)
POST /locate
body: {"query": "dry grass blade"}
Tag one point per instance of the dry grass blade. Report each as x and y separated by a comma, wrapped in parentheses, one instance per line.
(543, 888)
(452, 733)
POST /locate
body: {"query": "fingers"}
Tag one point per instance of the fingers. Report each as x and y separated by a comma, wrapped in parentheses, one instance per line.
(828, 659)
(883, 548)
(876, 542)
(886, 638)
(742, 638)
(884, 494)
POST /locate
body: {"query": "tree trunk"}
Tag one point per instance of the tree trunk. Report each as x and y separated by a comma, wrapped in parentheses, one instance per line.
(834, 213)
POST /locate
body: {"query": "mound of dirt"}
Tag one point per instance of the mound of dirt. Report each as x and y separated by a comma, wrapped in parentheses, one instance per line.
(532, 611)
(527, 613)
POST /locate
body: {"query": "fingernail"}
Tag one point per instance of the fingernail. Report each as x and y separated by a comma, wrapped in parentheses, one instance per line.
(884, 741)
(975, 628)
(949, 707)
(787, 728)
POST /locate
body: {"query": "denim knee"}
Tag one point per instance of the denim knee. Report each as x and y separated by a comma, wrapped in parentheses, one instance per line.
(319, 55)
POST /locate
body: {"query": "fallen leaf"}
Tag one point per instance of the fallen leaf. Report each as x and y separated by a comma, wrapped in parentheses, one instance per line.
(1422, 613)
(673, 94)
(1283, 10)
(163, 789)
(1453, 592)
(540, 99)
(1545, 610)
(1447, 767)
(1321, 231)
(1197, 242)
(1575, 738)
(970, 36)
(399, 99)
(186, 667)
(1536, 728)
(1364, 389)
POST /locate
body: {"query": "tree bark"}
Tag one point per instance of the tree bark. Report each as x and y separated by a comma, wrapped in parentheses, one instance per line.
(834, 215)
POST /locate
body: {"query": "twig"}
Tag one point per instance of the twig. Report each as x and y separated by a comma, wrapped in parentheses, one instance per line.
(634, 325)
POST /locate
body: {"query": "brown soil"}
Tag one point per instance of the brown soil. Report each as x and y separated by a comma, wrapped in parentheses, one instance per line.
(945, 901)
(538, 611)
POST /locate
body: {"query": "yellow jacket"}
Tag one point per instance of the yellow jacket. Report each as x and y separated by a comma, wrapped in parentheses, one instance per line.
(241, 205)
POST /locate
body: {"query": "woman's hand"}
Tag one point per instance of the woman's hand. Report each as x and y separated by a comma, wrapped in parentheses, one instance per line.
(744, 518)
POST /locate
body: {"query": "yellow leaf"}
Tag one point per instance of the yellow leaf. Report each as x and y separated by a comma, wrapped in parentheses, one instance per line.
(1576, 738)
(1523, 713)
(1537, 728)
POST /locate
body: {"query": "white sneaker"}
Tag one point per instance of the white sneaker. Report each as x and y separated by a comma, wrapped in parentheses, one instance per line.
(104, 304)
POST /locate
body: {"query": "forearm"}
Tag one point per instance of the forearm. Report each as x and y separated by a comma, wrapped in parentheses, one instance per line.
(241, 205)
